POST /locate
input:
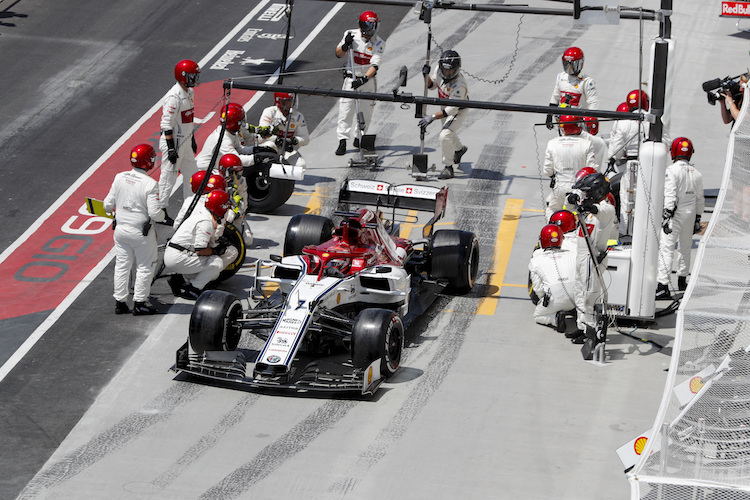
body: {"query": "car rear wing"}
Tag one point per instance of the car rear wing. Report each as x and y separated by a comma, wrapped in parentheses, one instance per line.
(403, 196)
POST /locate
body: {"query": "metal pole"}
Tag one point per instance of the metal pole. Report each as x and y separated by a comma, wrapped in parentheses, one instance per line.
(289, 8)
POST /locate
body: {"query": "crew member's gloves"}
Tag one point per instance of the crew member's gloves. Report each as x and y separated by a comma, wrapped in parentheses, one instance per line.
(169, 221)
(359, 81)
(263, 131)
(220, 248)
(426, 69)
(545, 300)
(348, 40)
(668, 213)
(697, 224)
(279, 141)
(426, 120)
(290, 146)
(552, 181)
(573, 198)
(667, 216)
(194, 145)
(548, 123)
(600, 257)
(611, 163)
(171, 151)
(589, 206)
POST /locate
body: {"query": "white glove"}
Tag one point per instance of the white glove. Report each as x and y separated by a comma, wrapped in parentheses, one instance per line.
(231, 214)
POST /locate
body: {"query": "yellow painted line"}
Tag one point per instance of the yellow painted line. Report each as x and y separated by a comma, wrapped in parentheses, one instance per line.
(313, 206)
(503, 245)
(406, 227)
(532, 210)
(515, 285)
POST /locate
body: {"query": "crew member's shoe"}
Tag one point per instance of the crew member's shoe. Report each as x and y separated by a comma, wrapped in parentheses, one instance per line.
(356, 142)
(574, 334)
(662, 292)
(447, 172)
(121, 308)
(143, 309)
(458, 154)
(579, 340)
(190, 293)
(561, 324)
(176, 282)
(682, 283)
(341, 150)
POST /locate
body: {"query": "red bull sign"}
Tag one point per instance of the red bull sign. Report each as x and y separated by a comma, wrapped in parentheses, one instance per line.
(735, 9)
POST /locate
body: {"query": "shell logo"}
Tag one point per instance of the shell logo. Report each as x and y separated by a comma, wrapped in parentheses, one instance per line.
(369, 376)
(696, 383)
(639, 445)
(134, 155)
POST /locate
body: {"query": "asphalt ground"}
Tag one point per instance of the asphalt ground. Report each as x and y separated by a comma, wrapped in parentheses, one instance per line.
(487, 405)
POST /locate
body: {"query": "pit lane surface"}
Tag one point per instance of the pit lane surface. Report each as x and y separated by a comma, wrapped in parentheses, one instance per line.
(486, 405)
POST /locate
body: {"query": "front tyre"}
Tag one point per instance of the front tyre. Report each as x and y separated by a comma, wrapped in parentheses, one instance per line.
(454, 256)
(378, 334)
(214, 322)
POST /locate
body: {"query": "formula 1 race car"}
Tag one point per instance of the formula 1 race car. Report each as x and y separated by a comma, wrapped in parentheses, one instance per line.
(343, 296)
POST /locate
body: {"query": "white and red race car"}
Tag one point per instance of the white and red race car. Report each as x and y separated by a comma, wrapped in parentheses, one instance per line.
(343, 296)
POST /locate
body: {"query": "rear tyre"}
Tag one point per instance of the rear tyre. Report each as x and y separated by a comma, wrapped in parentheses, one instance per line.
(454, 256)
(305, 229)
(235, 239)
(213, 322)
(378, 334)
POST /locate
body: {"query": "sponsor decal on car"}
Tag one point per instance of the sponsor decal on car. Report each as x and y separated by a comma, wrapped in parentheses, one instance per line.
(273, 359)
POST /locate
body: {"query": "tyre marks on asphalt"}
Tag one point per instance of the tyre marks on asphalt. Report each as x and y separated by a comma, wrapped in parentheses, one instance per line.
(206, 442)
(104, 444)
(277, 453)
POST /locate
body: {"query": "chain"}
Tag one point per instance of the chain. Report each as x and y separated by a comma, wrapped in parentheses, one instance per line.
(510, 66)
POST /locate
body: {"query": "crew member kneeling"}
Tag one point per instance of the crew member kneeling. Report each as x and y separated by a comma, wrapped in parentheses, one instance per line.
(193, 251)
(552, 274)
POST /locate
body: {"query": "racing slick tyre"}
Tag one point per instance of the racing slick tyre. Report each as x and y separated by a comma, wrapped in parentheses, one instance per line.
(378, 334)
(305, 229)
(265, 194)
(454, 256)
(234, 236)
(213, 322)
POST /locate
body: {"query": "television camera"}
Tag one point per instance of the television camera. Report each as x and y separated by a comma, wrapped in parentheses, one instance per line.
(716, 88)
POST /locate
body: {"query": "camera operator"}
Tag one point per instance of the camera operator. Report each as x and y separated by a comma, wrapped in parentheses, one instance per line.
(730, 108)
(729, 91)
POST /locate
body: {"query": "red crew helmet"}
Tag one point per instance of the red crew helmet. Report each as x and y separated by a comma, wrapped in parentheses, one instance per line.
(551, 236)
(564, 219)
(584, 172)
(368, 23)
(217, 202)
(592, 124)
(215, 181)
(143, 156)
(188, 73)
(682, 148)
(229, 162)
(234, 114)
(283, 101)
(570, 125)
(623, 107)
(572, 60)
(637, 99)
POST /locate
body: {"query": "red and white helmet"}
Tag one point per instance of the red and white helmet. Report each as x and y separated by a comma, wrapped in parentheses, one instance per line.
(564, 219)
(551, 236)
(584, 172)
(571, 125)
(592, 124)
(682, 148)
(143, 156)
(572, 60)
(283, 101)
(637, 99)
(217, 202)
(233, 115)
(623, 107)
(368, 23)
(230, 162)
(188, 73)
